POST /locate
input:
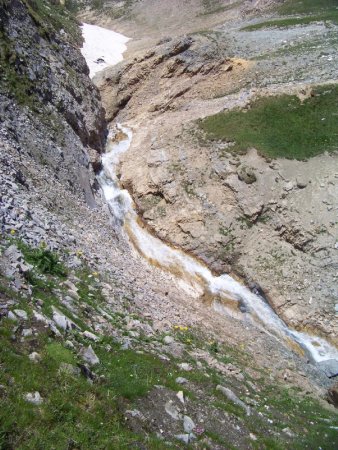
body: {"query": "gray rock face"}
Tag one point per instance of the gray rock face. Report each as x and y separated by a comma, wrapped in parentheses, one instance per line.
(68, 127)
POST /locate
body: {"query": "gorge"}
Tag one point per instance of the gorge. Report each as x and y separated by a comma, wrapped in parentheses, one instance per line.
(160, 287)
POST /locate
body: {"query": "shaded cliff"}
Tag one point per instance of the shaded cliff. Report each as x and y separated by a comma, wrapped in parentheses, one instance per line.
(50, 111)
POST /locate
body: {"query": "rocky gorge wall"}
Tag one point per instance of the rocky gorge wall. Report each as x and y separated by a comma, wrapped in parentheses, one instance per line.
(50, 111)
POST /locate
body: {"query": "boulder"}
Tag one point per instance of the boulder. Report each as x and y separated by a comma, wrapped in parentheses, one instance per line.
(332, 395)
(89, 356)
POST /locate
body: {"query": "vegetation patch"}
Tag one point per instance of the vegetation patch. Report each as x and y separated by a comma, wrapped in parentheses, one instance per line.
(44, 260)
(282, 126)
(50, 16)
(307, 11)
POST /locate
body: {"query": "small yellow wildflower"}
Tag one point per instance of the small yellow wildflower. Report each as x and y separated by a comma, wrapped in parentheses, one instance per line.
(12, 232)
(95, 274)
(179, 327)
(79, 253)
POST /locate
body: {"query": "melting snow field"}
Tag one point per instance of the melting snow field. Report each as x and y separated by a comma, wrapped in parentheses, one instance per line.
(102, 47)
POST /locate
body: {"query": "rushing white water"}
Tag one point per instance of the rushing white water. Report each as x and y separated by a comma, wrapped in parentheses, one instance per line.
(226, 295)
(102, 47)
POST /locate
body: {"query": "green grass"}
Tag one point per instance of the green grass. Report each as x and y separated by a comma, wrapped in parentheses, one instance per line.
(77, 414)
(51, 17)
(289, 22)
(74, 413)
(282, 126)
(307, 11)
(44, 260)
(307, 6)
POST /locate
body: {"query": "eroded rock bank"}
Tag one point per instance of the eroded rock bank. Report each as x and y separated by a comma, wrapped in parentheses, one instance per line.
(271, 221)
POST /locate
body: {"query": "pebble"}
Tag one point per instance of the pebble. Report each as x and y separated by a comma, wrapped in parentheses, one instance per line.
(34, 398)
(26, 332)
(91, 336)
(180, 396)
(188, 424)
(35, 357)
(12, 316)
(168, 340)
(181, 380)
(185, 366)
(21, 314)
(89, 356)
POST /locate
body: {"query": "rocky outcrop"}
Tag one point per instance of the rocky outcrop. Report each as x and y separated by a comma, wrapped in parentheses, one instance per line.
(50, 111)
(179, 63)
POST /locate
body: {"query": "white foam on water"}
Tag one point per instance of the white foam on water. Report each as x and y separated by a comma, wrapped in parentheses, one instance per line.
(102, 48)
(192, 272)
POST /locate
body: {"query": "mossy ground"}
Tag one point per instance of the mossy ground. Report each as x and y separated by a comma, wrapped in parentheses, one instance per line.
(281, 126)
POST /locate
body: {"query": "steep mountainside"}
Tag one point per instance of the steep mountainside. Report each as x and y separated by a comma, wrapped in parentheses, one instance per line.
(99, 349)
(50, 111)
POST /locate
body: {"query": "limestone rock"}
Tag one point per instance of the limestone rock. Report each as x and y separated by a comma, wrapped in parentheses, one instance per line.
(34, 398)
(89, 356)
(188, 424)
(233, 397)
(172, 410)
(21, 314)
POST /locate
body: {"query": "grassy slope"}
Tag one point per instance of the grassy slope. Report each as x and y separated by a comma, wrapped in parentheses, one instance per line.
(307, 11)
(281, 126)
(76, 413)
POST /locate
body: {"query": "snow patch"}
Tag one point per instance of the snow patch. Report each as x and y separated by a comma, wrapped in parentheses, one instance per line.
(102, 48)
